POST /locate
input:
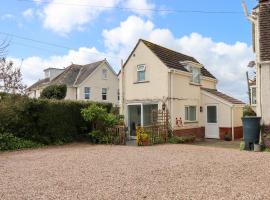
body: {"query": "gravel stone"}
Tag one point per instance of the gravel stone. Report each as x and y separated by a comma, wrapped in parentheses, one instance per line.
(128, 172)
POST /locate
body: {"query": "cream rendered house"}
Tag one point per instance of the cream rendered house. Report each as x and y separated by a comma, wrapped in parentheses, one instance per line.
(260, 19)
(95, 82)
(154, 76)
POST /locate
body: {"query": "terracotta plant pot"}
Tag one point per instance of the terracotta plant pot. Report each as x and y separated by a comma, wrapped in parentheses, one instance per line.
(145, 143)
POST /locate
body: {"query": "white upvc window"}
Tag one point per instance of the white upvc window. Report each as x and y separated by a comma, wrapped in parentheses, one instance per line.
(253, 95)
(104, 94)
(190, 113)
(141, 73)
(196, 74)
(87, 92)
(104, 73)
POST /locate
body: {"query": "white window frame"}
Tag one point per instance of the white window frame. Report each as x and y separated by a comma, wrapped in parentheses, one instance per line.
(104, 73)
(196, 80)
(104, 93)
(141, 68)
(87, 93)
(187, 114)
(252, 97)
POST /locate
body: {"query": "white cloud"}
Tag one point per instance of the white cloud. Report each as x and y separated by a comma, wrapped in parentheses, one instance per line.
(7, 16)
(142, 7)
(226, 61)
(29, 13)
(65, 16)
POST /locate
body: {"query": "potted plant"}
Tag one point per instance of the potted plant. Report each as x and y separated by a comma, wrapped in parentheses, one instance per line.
(251, 128)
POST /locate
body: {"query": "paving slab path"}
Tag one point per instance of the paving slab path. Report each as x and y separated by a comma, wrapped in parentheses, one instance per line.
(129, 172)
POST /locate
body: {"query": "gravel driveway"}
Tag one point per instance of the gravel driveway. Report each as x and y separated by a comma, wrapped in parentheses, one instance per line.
(126, 172)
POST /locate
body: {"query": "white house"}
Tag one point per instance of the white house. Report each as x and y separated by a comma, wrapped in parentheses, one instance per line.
(260, 19)
(95, 82)
(154, 76)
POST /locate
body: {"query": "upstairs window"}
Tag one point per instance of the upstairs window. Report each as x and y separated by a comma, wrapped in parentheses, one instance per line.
(141, 73)
(196, 74)
(190, 113)
(118, 95)
(87, 93)
(104, 73)
(104, 93)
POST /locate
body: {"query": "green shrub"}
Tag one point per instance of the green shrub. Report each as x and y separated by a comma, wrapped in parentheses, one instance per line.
(182, 139)
(10, 142)
(248, 111)
(242, 145)
(45, 121)
(54, 92)
(101, 121)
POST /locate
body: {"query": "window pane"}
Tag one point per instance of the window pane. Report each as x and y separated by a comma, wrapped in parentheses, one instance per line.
(196, 75)
(104, 94)
(211, 114)
(87, 93)
(186, 113)
(86, 90)
(192, 113)
(104, 73)
(141, 75)
(253, 95)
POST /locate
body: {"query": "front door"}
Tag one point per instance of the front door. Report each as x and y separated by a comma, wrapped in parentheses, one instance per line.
(134, 119)
(211, 125)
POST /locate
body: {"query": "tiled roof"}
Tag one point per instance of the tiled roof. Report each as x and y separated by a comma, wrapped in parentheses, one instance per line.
(75, 74)
(39, 83)
(172, 58)
(264, 21)
(223, 96)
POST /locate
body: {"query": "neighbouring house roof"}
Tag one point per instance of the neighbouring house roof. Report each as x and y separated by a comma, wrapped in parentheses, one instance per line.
(223, 96)
(172, 58)
(39, 83)
(75, 74)
(264, 21)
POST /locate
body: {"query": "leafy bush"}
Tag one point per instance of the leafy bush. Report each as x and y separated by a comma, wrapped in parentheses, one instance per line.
(248, 111)
(45, 121)
(101, 121)
(54, 92)
(142, 137)
(10, 142)
(242, 145)
(182, 139)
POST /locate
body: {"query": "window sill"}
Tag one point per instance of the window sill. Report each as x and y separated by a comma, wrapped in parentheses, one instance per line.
(191, 122)
(138, 82)
(196, 84)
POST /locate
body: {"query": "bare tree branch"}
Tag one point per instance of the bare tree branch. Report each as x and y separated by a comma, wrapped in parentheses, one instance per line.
(4, 48)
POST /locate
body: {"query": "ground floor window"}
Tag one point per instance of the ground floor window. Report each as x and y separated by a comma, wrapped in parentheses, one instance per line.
(190, 113)
(104, 94)
(87, 93)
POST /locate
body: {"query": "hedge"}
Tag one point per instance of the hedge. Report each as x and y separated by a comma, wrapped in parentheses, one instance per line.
(44, 121)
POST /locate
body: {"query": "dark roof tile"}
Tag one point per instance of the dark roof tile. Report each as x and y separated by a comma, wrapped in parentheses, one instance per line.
(264, 21)
(172, 58)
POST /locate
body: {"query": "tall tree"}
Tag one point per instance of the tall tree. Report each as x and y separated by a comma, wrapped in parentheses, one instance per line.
(10, 76)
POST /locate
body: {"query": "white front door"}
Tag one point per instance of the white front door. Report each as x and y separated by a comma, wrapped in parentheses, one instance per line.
(211, 124)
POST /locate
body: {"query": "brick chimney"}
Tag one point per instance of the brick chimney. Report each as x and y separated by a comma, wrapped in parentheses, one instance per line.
(264, 28)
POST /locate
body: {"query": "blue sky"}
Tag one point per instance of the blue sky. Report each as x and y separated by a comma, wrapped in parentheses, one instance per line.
(102, 32)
